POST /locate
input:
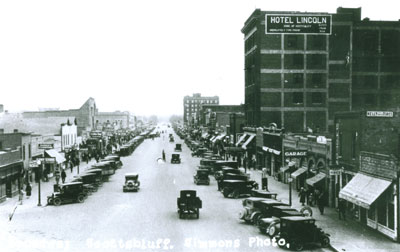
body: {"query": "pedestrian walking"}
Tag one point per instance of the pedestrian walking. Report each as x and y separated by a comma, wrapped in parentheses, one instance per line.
(28, 189)
(302, 195)
(320, 202)
(245, 163)
(163, 155)
(63, 176)
(342, 209)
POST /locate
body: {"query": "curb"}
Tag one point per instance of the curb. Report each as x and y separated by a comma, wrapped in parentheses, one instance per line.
(333, 248)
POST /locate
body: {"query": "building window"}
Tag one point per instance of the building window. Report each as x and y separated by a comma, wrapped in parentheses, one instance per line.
(316, 98)
(370, 100)
(1, 145)
(30, 150)
(23, 152)
(297, 98)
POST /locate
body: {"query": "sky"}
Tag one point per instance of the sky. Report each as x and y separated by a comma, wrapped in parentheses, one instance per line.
(141, 56)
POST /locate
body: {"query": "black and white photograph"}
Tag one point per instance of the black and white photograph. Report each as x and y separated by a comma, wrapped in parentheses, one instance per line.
(199, 125)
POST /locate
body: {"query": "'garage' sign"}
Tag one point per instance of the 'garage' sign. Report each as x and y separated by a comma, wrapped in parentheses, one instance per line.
(298, 153)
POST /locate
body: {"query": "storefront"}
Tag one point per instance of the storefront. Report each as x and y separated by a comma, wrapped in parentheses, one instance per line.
(371, 194)
(50, 167)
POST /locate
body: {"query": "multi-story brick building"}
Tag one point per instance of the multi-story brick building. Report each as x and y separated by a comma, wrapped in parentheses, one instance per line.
(301, 68)
(191, 106)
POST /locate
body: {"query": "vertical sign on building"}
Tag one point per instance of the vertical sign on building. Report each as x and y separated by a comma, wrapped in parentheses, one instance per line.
(298, 23)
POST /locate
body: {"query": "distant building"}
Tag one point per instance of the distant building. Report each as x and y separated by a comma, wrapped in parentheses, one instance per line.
(191, 106)
(120, 120)
(298, 78)
(49, 121)
(69, 136)
(215, 116)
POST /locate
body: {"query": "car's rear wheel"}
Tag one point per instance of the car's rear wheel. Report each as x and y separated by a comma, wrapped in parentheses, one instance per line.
(57, 201)
(225, 192)
(197, 213)
(235, 194)
(49, 201)
(80, 198)
(297, 245)
(256, 217)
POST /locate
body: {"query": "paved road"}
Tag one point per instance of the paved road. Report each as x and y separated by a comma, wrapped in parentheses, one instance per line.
(110, 220)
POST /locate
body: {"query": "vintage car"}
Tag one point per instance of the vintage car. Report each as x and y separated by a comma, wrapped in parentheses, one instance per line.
(106, 167)
(89, 180)
(98, 172)
(257, 208)
(201, 177)
(226, 170)
(132, 182)
(237, 188)
(299, 231)
(68, 192)
(175, 159)
(199, 152)
(188, 204)
(271, 225)
(263, 194)
(114, 158)
(178, 147)
(217, 166)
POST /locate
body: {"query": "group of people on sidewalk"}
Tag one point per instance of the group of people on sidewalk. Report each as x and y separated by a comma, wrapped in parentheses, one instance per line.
(318, 198)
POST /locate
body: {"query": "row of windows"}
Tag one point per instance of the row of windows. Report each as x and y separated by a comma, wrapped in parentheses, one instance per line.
(294, 61)
(201, 101)
(294, 42)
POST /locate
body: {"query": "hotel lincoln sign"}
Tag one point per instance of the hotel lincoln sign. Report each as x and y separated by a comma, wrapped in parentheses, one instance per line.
(298, 23)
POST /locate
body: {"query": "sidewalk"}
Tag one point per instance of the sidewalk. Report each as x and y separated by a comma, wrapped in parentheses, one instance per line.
(346, 235)
(11, 205)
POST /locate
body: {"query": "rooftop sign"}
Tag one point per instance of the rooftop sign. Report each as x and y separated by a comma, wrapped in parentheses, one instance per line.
(298, 24)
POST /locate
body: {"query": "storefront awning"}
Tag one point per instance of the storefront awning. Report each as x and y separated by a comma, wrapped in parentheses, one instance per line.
(270, 150)
(244, 146)
(299, 172)
(363, 190)
(241, 139)
(284, 169)
(53, 153)
(314, 180)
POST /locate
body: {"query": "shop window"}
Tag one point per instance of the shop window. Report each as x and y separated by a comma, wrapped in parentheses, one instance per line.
(371, 212)
(297, 98)
(370, 100)
(381, 207)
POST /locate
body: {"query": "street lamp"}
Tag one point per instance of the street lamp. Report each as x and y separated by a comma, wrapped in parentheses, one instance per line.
(290, 190)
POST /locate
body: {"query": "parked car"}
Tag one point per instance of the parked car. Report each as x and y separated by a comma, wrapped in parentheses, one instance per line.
(271, 225)
(132, 183)
(98, 173)
(237, 188)
(257, 208)
(115, 158)
(263, 194)
(217, 166)
(89, 180)
(175, 159)
(189, 204)
(201, 177)
(199, 152)
(68, 192)
(300, 231)
(178, 147)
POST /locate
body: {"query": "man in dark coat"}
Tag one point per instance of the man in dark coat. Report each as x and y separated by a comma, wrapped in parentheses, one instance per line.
(321, 202)
(63, 176)
(302, 195)
(342, 209)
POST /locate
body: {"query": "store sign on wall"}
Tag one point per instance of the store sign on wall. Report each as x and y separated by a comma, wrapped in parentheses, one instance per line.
(297, 153)
(379, 114)
(298, 24)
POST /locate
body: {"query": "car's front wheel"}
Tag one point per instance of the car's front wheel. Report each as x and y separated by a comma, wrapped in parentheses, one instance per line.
(57, 201)
(272, 230)
(325, 241)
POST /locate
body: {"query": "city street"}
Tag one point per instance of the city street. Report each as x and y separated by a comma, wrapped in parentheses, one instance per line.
(110, 220)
